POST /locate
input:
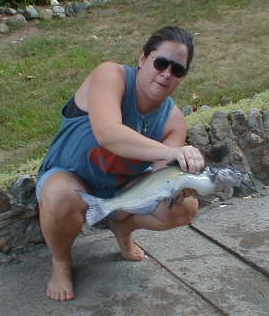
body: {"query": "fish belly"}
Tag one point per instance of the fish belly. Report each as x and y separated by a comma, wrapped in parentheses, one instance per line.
(139, 201)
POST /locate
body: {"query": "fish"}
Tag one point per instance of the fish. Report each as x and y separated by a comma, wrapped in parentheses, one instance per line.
(164, 184)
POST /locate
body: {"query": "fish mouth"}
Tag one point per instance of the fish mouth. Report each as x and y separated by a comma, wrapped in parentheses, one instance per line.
(226, 175)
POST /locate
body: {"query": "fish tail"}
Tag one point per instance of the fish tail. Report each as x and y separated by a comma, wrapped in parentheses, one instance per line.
(95, 212)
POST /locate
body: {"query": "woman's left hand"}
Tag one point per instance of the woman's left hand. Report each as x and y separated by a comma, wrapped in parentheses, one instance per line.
(190, 159)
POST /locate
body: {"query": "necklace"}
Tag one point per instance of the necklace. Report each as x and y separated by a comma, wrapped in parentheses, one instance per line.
(144, 126)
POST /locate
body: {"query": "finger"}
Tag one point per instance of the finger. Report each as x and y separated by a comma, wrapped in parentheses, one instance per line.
(191, 165)
(197, 164)
(182, 162)
(194, 159)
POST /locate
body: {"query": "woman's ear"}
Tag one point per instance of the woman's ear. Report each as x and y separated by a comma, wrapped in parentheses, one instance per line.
(141, 59)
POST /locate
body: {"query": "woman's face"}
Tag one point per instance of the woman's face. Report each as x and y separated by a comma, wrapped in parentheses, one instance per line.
(159, 84)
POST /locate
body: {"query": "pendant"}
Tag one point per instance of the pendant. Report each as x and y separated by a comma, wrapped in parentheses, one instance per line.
(145, 127)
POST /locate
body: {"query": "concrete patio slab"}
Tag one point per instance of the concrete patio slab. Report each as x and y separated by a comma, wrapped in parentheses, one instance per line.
(105, 284)
(242, 229)
(232, 285)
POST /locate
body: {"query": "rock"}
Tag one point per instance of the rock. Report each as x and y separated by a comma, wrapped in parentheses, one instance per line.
(4, 28)
(45, 14)
(237, 157)
(4, 202)
(254, 140)
(187, 110)
(5, 259)
(99, 1)
(69, 11)
(18, 18)
(54, 3)
(5, 244)
(198, 136)
(238, 122)
(259, 162)
(16, 21)
(23, 191)
(205, 107)
(58, 11)
(33, 232)
(78, 6)
(265, 118)
(30, 13)
(87, 4)
(255, 122)
(220, 127)
(10, 11)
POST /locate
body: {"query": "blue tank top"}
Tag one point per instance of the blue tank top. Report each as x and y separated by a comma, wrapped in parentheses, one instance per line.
(76, 149)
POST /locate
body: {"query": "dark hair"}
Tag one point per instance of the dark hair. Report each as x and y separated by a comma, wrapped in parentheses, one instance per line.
(170, 33)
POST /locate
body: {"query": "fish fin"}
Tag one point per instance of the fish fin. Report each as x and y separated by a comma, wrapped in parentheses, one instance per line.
(171, 202)
(212, 172)
(95, 212)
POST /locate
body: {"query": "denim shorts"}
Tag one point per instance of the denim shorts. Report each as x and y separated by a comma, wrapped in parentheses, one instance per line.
(44, 176)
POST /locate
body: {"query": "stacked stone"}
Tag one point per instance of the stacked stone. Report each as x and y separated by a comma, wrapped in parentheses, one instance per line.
(11, 18)
(233, 140)
(19, 225)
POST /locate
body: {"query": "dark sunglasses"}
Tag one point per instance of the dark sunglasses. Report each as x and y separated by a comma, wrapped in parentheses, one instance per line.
(162, 63)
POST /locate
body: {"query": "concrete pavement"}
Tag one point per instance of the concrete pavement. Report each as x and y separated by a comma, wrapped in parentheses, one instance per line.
(219, 265)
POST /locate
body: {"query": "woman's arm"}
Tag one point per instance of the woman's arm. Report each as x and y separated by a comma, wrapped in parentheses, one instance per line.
(175, 133)
(101, 96)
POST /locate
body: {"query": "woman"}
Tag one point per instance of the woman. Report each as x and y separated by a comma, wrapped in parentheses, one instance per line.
(120, 121)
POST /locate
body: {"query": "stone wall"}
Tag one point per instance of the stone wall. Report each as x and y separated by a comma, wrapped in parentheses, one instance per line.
(235, 140)
(13, 19)
(231, 139)
(19, 224)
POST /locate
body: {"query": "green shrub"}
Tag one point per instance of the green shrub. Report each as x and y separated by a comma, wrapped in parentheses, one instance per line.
(22, 3)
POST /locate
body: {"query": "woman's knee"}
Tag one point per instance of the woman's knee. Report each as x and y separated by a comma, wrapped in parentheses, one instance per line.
(59, 196)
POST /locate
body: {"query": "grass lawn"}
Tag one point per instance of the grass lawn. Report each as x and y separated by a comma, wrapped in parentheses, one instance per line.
(41, 72)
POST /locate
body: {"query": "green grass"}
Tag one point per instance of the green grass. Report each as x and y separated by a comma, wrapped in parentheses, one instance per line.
(39, 74)
(259, 101)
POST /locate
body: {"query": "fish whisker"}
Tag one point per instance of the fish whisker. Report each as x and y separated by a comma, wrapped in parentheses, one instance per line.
(253, 187)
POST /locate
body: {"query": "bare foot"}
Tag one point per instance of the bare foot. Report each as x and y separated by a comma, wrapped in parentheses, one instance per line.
(60, 286)
(129, 250)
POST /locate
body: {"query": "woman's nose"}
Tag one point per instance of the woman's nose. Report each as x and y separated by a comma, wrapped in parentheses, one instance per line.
(167, 72)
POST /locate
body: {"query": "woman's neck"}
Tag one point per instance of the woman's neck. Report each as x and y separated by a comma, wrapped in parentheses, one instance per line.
(145, 105)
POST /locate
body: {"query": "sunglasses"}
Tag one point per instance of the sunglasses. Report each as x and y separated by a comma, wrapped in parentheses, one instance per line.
(162, 63)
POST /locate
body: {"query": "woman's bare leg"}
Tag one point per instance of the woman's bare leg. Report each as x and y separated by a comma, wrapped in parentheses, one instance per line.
(181, 213)
(129, 249)
(61, 217)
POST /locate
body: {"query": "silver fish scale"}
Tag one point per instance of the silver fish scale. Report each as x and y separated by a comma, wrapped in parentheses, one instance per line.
(148, 192)
(145, 195)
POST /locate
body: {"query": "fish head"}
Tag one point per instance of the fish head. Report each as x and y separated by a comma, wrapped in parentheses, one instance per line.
(224, 177)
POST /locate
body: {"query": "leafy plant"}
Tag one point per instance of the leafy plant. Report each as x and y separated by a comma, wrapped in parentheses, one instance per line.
(23, 3)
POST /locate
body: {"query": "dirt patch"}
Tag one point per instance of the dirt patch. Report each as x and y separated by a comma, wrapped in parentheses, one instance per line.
(11, 156)
(20, 34)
